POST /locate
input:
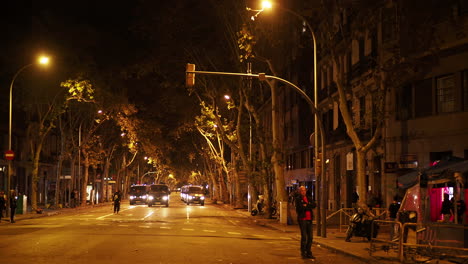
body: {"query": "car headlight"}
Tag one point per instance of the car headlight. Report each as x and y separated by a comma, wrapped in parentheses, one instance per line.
(144, 197)
(165, 198)
(202, 198)
(191, 197)
(150, 197)
(132, 197)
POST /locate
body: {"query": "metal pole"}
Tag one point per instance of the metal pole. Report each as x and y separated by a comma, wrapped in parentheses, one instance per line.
(263, 77)
(79, 167)
(10, 167)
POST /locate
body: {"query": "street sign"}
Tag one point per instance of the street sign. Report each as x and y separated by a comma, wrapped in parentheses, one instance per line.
(9, 155)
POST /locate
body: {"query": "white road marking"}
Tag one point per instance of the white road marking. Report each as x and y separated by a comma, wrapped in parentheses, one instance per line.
(123, 225)
(103, 224)
(101, 217)
(210, 231)
(234, 233)
(187, 229)
(288, 238)
(259, 235)
(148, 215)
(165, 227)
(144, 226)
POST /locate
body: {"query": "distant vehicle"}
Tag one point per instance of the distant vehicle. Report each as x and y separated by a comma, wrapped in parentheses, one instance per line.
(192, 194)
(138, 194)
(158, 193)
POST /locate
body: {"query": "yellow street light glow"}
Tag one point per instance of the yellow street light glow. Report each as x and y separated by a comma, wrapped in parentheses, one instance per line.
(43, 60)
(266, 5)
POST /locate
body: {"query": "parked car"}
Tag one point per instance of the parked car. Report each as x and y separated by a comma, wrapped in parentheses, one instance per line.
(158, 193)
(138, 194)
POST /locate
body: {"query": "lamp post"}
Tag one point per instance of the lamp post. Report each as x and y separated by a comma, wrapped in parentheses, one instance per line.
(227, 97)
(321, 230)
(43, 60)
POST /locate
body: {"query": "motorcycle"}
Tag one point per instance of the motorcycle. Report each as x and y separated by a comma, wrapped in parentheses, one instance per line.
(360, 225)
(260, 205)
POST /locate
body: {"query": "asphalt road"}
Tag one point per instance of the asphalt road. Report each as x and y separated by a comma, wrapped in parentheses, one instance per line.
(141, 234)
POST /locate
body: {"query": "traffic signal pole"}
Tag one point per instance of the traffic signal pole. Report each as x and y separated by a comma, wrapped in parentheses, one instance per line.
(190, 81)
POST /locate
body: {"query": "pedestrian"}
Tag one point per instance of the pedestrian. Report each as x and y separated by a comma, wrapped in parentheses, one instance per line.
(447, 208)
(2, 204)
(116, 198)
(392, 214)
(461, 208)
(304, 206)
(354, 198)
(13, 200)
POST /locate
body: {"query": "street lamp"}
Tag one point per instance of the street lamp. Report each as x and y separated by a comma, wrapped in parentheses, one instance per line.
(228, 97)
(269, 5)
(42, 60)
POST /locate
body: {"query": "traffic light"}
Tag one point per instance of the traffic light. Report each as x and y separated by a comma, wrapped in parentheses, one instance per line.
(190, 77)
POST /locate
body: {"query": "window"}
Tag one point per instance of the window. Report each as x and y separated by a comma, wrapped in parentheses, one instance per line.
(362, 112)
(362, 45)
(465, 90)
(404, 102)
(423, 98)
(388, 24)
(446, 94)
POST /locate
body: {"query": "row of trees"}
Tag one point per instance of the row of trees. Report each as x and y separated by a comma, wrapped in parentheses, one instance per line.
(266, 45)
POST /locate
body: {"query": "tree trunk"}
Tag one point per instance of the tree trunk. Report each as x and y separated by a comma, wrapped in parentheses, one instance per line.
(361, 176)
(35, 175)
(85, 178)
(276, 158)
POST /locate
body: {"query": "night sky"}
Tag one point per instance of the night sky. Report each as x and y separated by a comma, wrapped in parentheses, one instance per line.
(136, 48)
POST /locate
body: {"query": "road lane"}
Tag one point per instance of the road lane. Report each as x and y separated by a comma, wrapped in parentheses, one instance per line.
(142, 234)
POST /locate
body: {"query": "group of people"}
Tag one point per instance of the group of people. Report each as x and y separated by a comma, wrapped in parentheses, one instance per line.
(448, 209)
(12, 204)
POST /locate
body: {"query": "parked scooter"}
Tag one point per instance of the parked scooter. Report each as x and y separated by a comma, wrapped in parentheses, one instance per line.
(360, 225)
(260, 205)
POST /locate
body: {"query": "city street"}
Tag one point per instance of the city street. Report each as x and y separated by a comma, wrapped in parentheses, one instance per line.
(139, 234)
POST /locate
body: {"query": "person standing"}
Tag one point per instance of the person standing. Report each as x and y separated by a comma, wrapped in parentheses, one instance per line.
(304, 207)
(392, 213)
(116, 198)
(447, 208)
(354, 198)
(461, 207)
(13, 200)
(2, 204)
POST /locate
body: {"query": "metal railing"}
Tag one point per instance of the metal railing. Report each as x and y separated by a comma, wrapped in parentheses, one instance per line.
(415, 240)
(346, 213)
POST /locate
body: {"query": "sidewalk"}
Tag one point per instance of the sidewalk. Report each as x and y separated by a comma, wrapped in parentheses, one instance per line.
(48, 212)
(358, 248)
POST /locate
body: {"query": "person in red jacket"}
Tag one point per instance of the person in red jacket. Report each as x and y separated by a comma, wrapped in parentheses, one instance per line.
(304, 206)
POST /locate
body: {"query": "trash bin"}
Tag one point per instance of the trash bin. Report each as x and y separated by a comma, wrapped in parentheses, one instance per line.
(22, 204)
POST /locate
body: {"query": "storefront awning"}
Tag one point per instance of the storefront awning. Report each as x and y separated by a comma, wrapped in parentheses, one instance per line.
(439, 173)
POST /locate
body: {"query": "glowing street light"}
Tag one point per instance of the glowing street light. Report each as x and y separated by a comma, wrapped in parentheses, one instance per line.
(268, 5)
(42, 60)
